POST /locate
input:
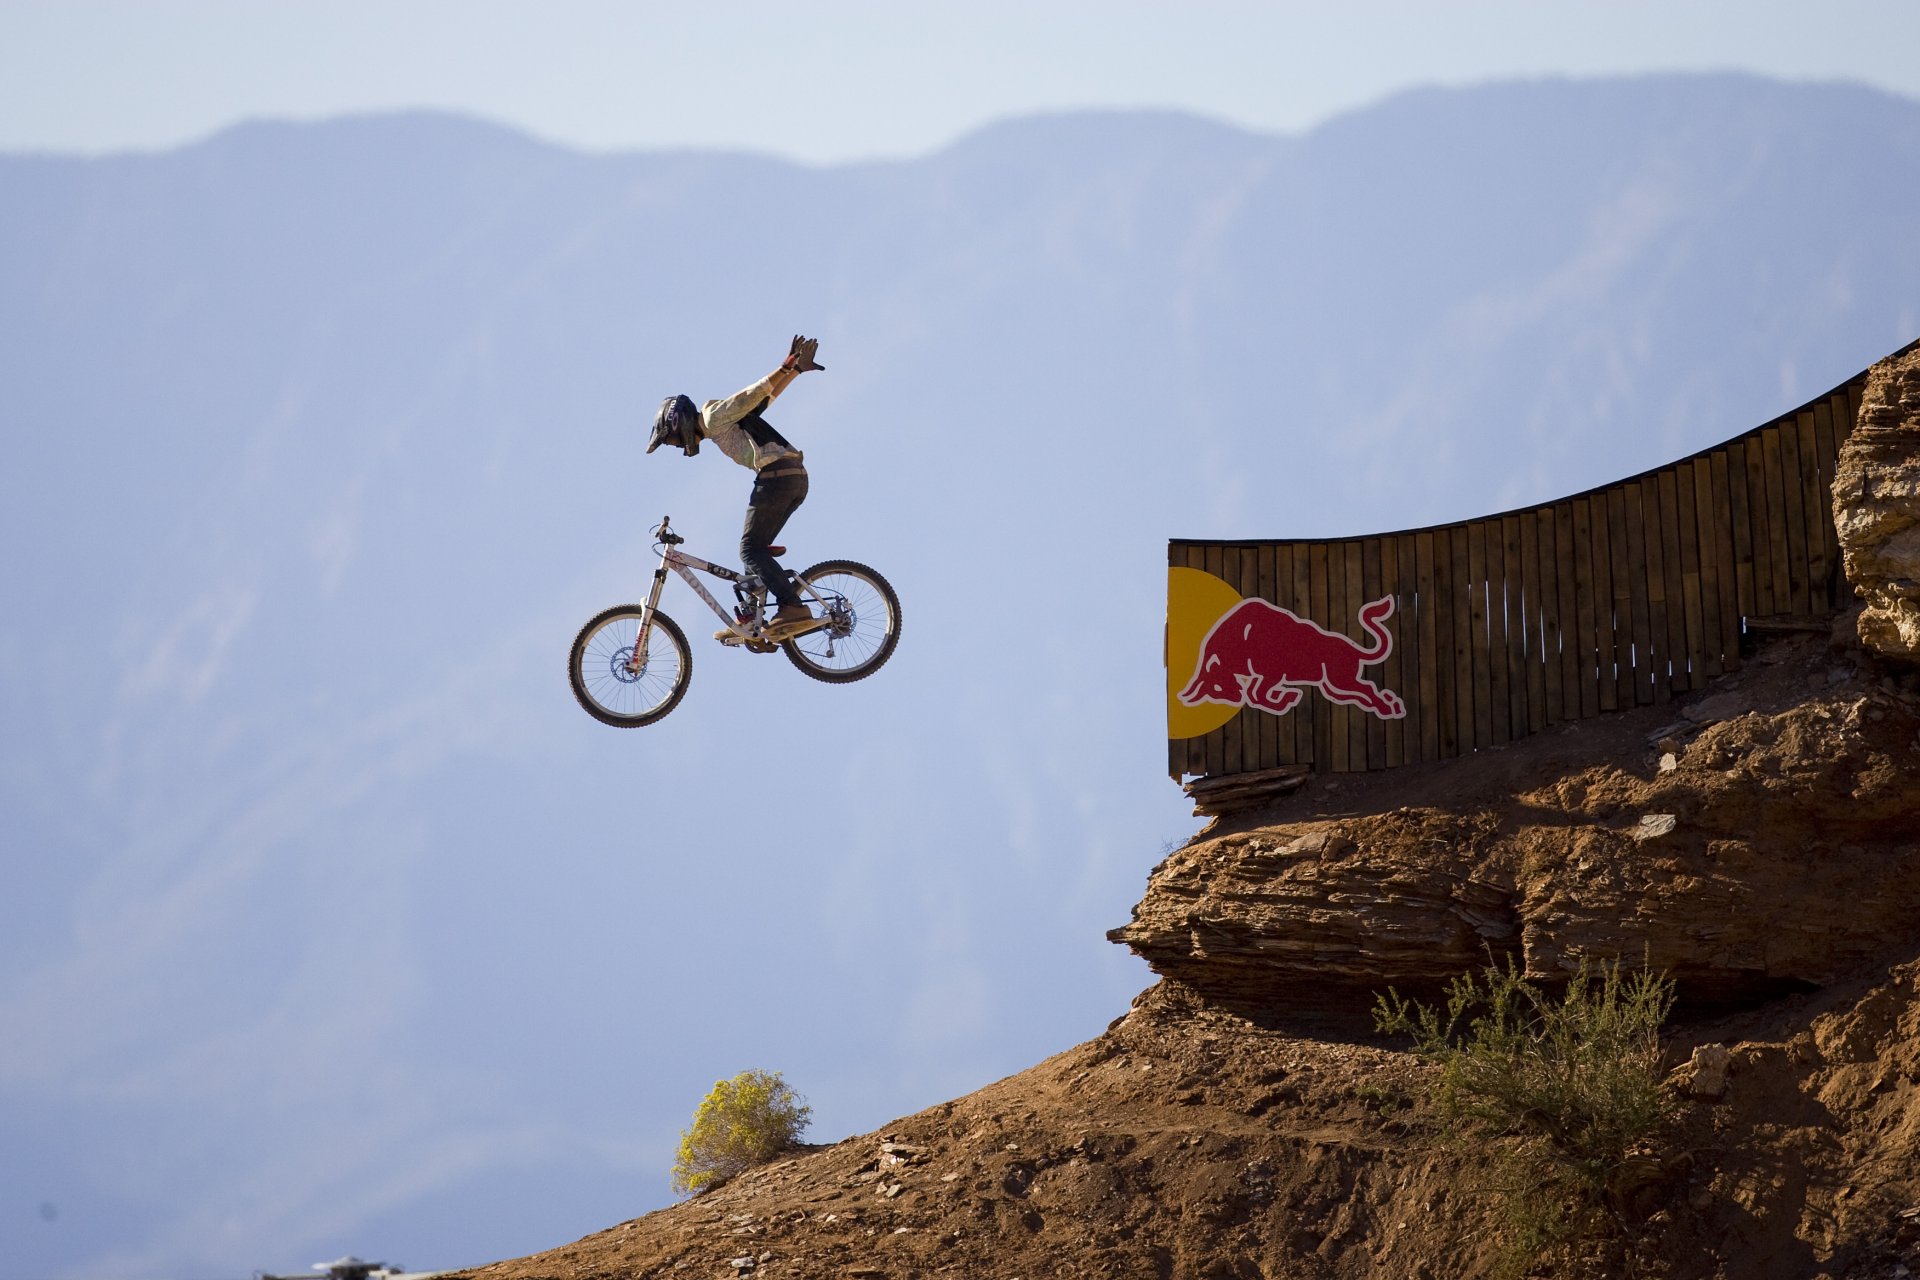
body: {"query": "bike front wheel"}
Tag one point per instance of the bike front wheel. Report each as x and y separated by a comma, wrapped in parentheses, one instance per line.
(863, 623)
(611, 685)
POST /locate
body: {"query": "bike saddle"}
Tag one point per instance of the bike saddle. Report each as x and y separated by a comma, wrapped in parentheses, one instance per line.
(776, 552)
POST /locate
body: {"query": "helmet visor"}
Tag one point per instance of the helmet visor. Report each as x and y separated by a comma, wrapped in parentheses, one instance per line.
(671, 425)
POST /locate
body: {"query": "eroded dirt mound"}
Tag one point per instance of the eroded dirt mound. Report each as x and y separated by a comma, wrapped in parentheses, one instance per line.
(1809, 1160)
(1189, 1142)
(1183, 1142)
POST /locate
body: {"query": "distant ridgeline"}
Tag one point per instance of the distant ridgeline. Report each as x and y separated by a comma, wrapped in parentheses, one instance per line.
(1348, 654)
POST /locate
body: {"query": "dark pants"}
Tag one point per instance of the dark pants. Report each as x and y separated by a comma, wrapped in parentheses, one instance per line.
(775, 497)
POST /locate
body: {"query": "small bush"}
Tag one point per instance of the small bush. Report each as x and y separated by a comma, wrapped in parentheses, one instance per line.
(745, 1121)
(1565, 1093)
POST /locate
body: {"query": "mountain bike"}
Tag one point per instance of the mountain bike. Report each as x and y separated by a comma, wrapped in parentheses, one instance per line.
(631, 664)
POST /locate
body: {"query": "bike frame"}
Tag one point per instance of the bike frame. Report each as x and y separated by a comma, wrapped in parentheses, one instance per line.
(671, 557)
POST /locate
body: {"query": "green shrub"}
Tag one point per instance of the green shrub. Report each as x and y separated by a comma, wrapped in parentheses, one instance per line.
(745, 1121)
(1565, 1093)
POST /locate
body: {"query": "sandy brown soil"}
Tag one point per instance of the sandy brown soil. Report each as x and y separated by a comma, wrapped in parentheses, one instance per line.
(1183, 1142)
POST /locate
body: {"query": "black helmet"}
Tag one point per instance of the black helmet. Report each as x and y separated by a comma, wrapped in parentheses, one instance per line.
(678, 422)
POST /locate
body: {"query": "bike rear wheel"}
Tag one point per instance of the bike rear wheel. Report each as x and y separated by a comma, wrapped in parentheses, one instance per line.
(863, 623)
(601, 672)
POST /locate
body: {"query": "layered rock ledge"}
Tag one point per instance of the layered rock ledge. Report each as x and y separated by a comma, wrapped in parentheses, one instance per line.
(1761, 837)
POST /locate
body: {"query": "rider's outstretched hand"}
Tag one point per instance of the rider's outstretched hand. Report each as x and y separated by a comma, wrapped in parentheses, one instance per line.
(800, 355)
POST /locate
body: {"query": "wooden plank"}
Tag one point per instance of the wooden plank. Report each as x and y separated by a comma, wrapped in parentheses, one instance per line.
(1514, 583)
(1392, 677)
(1407, 557)
(1856, 396)
(1278, 741)
(1227, 560)
(1567, 592)
(1267, 753)
(1482, 675)
(1534, 656)
(1679, 678)
(1741, 521)
(1546, 608)
(1760, 508)
(1813, 509)
(1778, 541)
(1216, 739)
(1690, 576)
(1253, 719)
(1818, 504)
(1620, 635)
(1637, 635)
(1372, 587)
(1321, 588)
(1699, 475)
(1601, 641)
(1192, 757)
(1428, 701)
(1653, 571)
(1799, 430)
(1360, 722)
(1207, 743)
(1799, 541)
(1338, 717)
(1498, 710)
(1719, 474)
(1303, 713)
(1461, 602)
(1588, 588)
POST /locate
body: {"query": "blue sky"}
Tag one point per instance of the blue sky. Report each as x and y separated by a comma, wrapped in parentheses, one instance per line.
(854, 79)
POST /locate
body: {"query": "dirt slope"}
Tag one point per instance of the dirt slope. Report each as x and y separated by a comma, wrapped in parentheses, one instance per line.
(1183, 1142)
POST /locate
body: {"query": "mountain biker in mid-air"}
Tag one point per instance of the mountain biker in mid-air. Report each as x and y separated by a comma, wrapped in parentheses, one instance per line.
(780, 476)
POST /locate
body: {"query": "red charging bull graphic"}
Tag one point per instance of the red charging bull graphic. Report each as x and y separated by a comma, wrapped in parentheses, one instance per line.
(1261, 655)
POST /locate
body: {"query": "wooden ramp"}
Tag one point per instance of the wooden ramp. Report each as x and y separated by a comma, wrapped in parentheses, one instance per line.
(1622, 596)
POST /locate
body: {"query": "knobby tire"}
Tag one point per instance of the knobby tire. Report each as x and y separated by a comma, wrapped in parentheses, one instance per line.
(605, 692)
(875, 634)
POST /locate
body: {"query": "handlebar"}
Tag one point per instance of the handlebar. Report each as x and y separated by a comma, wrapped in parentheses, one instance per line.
(665, 534)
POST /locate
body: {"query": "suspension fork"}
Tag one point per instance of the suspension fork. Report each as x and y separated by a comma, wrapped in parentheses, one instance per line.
(639, 658)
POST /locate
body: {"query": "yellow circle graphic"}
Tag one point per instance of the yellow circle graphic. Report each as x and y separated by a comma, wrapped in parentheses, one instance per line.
(1195, 601)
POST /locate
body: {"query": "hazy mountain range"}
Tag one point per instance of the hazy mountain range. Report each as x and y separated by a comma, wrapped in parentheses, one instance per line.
(333, 925)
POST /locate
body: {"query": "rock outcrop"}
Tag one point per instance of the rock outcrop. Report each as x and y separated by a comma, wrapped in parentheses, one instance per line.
(1777, 851)
(1876, 506)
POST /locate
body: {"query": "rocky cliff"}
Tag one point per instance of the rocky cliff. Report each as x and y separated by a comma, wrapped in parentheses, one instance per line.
(1876, 506)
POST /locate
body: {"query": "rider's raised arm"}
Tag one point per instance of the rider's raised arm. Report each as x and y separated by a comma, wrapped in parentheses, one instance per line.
(738, 405)
(741, 403)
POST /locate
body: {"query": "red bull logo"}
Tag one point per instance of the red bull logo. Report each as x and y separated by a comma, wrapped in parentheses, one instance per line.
(1257, 654)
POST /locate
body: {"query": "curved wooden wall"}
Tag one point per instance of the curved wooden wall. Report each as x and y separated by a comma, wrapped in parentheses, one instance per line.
(1622, 596)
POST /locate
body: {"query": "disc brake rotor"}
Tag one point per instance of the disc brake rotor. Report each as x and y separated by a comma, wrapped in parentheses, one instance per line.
(618, 668)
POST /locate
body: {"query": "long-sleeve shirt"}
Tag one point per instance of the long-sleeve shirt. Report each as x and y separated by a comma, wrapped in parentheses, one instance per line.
(720, 420)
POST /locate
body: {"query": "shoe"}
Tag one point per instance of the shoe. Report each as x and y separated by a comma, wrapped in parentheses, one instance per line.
(788, 614)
